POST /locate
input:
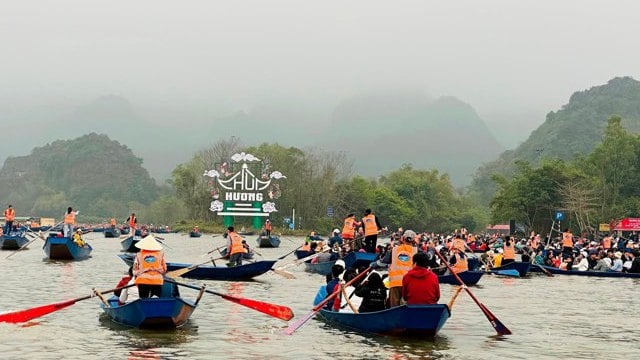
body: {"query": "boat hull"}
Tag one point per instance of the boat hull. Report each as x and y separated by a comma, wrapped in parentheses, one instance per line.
(359, 259)
(322, 268)
(12, 242)
(64, 248)
(151, 313)
(607, 274)
(268, 241)
(111, 233)
(219, 272)
(194, 234)
(129, 244)
(522, 267)
(468, 277)
(407, 320)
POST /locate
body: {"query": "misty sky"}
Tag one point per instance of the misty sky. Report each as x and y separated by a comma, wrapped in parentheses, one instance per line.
(505, 58)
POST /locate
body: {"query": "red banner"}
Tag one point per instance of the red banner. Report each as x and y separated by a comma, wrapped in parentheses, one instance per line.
(628, 224)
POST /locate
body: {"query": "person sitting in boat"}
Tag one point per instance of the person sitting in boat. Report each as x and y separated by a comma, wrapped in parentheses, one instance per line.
(234, 247)
(634, 267)
(313, 236)
(321, 294)
(373, 294)
(335, 238)
(77, 238)
(508, 250)
(124, 281)
(458, 261)
(420, 285)
(567, 263)
(130, 293)
(617, 262)
(581, 263)
(497, 259)
(333, 286)
(149, 267)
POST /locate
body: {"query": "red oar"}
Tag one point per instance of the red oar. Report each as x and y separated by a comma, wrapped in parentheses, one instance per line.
(298, 323)
(497, 324)
(278, 311)
(30, 314)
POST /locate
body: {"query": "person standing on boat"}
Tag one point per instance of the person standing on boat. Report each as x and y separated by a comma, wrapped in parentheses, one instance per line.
(69, 222)
(235, 249)
(132, 221)
(149, 267)
(371, 228)
(567, 243)
(267, 228)
(9, 216)
(401, 263)
(420, 286)
(113, 223)
(349, 230)
(508, 250)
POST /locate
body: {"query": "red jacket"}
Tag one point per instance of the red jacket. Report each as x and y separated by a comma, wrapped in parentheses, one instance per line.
(420, 286)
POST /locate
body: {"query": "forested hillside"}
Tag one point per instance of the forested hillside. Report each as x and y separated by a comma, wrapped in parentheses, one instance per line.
(92, 173)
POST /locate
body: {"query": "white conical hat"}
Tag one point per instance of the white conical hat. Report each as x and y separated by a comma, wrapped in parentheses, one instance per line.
(149, 243)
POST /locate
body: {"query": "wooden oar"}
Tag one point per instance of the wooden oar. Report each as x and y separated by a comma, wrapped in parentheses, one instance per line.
(289, 253)
(32, 313)
(545, 271)
(278, 311)
(180, 272)
(500, 328)
(453, 298)
(298, 324)
(300, 261)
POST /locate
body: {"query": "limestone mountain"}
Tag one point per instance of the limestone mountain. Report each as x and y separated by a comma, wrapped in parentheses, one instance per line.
(92, 173)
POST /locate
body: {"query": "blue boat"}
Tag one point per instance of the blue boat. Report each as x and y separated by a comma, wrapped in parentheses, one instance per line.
(468, 277)
(607, 274)
(407, 320)
(246, 256)
(64, 248)
(272, 241)
(322, 268)
(522, 267)
(111, 233)
(359, 259)
(245, 271)
(303, 253)
(154, 313)
(13, 241)
(129, 244)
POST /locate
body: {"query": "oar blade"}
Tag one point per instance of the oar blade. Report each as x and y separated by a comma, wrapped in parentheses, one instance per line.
(298, 323)
(284, 274)
(30, 314)
(278, 311)
(500, 328)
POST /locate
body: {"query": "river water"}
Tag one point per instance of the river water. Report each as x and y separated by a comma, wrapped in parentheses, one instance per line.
(550, 317)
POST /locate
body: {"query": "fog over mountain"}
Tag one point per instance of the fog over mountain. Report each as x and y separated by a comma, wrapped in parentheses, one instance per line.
(156, 73)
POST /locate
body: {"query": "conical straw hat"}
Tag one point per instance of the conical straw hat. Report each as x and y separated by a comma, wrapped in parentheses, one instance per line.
(149, 243)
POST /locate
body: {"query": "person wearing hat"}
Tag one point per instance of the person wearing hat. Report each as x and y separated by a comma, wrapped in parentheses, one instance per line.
(371, 228)
(9, 216)
(401, 263)
(149, 267)
(267, 228)
(617, 263)
(235, 249)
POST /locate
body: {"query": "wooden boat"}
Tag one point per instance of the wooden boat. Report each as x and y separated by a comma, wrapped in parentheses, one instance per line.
(406, 320)
(195, 234)
(359, 259)
(111, 233)
(246, 232)
(155, 313)
(13, 241)
(322, 268)
(608, 274)
(522, 267)
(468, 277)
(129, 244)
(216, 272)
(64, 248)
(272, 241)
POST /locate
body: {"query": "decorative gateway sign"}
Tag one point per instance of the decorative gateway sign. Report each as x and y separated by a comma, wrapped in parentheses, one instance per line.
(243, 193)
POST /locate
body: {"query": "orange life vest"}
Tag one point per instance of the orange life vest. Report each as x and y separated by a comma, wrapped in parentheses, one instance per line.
(9, 214)
(70, 218)
(149, 267)
(401, 263)
(267, 226)
(132, 222)
(370, 227)
(236, 244)
(509, 251)
(606, 242)
(113, 221)
(348, 228)
(458, 244)
(567, 239)
(461, 264)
